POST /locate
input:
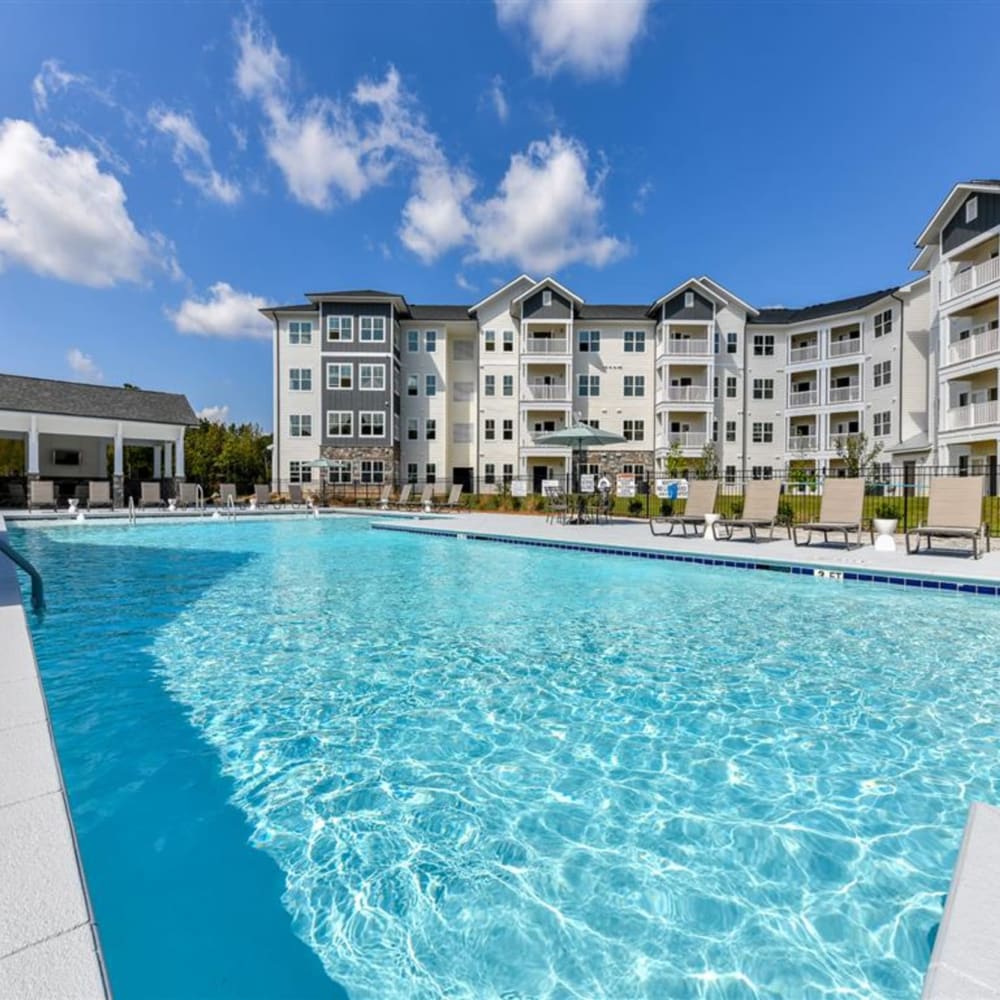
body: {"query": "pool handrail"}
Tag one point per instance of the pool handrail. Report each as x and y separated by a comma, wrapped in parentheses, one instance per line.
(37, 586)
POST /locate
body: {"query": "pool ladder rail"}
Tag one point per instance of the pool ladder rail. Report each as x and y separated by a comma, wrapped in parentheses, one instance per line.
(37, 587)
(131, 510)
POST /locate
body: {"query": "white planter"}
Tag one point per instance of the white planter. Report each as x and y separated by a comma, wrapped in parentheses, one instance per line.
(885, 525)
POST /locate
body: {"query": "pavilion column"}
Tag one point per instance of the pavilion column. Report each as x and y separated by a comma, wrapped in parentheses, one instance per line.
(178, 463)
(33, 447)
(118, 479)
(168, 459)
(157, 461)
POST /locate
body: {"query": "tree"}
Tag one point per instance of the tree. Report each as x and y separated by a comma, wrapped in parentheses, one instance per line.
(675, 460)
(709, 461)
(856, 453)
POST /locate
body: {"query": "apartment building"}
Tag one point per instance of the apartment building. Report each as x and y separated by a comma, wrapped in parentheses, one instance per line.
(387, 390)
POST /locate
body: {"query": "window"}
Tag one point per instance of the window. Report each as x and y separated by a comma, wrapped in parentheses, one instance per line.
(596, 424)
(339, 472)
(634, 430)
(730, 430)
(372, 329)
(490, 430)
(430, 430)
(730, 473)
(413, 340)
(430, 341)
(340, 328)
(508, 430)
(635, 341)
(489, 473)
(763, 345)
(430, 385)
(882, 373)
(763, 433)
(412, 471)
(762, 472)
(715, 430)
(489, 385)
(371, 377)
(732, 339)
(372, 470)
(508, 473)
(372, 424)
(715, 387)
(763, 388)
(339, 376)
(883, 323)
(300, 425)
(508, 341)
(639, 471)
(635, 385)
(299, 472)
(412, 385)
(412, 430)
(461, 433)
(300, 332)
(547, 297)
(730, 387)
(589, 385)
(430, 472)
(589, 340)
(689, 300)
(339, 423)
(300, 379)
(489, 340)
(972, 209)
(882, 423)
(508, 385)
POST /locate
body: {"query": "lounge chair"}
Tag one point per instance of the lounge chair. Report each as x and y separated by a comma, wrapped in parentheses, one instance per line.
(385, 496)
(226, 490)
(839, 512)
(954, 510)
(150, 495)
(426, 498)
(295, 497)
(41, 493)
(700, 501)
(556, 505)
(262, 494)
(760, 510)
(404, 496)
(188, 495)
(99, 494)
(453, 501)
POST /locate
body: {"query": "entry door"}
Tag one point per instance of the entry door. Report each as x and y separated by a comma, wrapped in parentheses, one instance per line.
(539, 474)
(463, 478)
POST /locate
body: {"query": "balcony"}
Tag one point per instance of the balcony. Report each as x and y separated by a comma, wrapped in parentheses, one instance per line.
(689, 394)
(687, 346)
(845, 394)
(808, 397)
(687, 439)
(546, 345)
(972, 415)
(836, 440)
(802, 442)
(548, 391)
(971, 278)
(981, 340)
(851, 345)
(807, 353)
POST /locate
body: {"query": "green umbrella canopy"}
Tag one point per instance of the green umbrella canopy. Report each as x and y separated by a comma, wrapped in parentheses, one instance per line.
(320, 463)
(580, 437)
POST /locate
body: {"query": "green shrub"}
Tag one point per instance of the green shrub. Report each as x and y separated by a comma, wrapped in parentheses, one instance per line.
(888, 510)
(786, 513)
(492, 501)
(635, 507)
(666, 508)
(736, 507)
(515, 503)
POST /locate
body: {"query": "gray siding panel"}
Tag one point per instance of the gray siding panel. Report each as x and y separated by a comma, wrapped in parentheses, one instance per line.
(957, 231)
(674, 309)
(532, 307)
(357, 309)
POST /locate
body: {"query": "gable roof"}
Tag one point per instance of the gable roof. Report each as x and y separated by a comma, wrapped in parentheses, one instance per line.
(948, 207)
(79, 399)
(549, 282)
(726, 293)
(780, 316)
(309, 307)
(684, 286)
(500, 290)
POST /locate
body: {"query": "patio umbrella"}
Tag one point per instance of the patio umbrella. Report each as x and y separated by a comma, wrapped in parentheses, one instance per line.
(579, 437)
(325, 464)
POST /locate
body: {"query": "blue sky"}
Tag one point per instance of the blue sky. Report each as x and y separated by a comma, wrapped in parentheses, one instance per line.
(164, 168)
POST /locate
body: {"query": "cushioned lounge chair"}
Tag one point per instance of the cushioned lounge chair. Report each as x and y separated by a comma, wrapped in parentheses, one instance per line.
(700, 501)
(954, 510)
(453, 501)
(426, 498)
(295, 496)
(840, 512)
(41, 493)
(150, 495)
(760, 510)
(99, 494)
(262, 494)
(226, 490)
(404, 496)
(188, 495)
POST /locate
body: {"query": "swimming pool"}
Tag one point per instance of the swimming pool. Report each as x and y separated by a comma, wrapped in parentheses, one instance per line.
(307, 759)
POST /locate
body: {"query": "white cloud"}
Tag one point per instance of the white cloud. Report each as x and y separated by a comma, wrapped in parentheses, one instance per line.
(193, 156)
(215, 414)
(61, 216)
(547, 212)
(225, 312)
(592, 38)
(83, 365)
(641, 197)
(434, 217)
(52, 79)
(463, 282)
(497, 98)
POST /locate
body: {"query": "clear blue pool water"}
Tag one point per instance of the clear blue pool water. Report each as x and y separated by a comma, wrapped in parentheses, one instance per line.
(314, 760)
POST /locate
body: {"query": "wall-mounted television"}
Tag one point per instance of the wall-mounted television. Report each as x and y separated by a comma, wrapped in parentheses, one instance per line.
(63, 456)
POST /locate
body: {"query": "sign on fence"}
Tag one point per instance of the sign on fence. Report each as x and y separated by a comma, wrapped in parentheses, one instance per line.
(672, 489)
(551, 484)
(519, 488)
(587, 482)
(625, 485)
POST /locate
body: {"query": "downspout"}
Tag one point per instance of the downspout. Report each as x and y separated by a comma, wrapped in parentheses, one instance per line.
(902, 352)
(276, 432)
(746, 379)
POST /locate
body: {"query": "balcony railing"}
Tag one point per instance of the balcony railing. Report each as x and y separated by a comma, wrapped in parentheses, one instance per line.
(797, 354)
(687, 439)
(836, 441)
(807, 397)
(689, 394)
(546, 345)
(845, 394)
(536, 390)
(802, 442)
(972, 415)
(972, 277)
(838, 348)
(693, 345)
(982, 340)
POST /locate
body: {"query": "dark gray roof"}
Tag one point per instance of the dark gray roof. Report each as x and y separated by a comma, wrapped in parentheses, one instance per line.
(775, 317)
(77, 399)
(594, 311)
(357, 293)
(308, 308)
(441, 312)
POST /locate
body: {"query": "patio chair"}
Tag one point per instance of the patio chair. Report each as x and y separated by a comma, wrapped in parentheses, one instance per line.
(760, 510)
(954, 510)
(404, 497)
(262, 494)
(150, 495)
(453, 502)
(604, 504)
(295, 497)
(188, 495)
(99, 494)
(426, 498)
(839, 513)
(700, 501)
(556, 505)
(385, 496)
(226, 490)
(41, 493)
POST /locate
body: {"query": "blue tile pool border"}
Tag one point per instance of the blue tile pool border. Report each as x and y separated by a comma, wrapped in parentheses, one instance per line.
(893, 579)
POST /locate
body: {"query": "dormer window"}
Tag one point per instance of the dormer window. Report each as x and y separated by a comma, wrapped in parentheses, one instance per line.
(972, 209)
(547, 297)
(689, 300)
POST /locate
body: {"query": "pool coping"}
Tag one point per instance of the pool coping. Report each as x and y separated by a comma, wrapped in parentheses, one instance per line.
(49, 944)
